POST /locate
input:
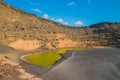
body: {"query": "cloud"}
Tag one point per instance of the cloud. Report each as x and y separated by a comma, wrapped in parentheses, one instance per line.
(37, 10)
(59, 20)
(89, 1)
(71, 4)
(79, 23)
(62, 21)
(52, 19)
(45, 16)
(65, 23)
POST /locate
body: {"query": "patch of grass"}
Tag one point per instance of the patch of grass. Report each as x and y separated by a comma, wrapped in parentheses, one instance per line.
(48, 58)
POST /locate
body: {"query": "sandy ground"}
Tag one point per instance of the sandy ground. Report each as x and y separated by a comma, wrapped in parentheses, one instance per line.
(28, 45)
(23, 75)
(11, 56)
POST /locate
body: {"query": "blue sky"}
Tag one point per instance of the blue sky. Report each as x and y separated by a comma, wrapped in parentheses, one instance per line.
(72, 12)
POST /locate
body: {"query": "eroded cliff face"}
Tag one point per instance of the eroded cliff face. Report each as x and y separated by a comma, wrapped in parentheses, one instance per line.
(19, 29)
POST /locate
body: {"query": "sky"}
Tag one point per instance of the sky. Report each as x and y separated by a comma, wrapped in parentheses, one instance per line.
(72, 12)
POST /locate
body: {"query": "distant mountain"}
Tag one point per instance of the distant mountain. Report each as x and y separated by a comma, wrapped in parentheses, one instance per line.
(22, 30)
(105, 24)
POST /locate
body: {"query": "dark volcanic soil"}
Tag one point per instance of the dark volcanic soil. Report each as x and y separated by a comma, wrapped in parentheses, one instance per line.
(99, 64)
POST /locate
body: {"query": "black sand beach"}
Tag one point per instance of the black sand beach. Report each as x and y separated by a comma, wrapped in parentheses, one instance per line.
(98, 64)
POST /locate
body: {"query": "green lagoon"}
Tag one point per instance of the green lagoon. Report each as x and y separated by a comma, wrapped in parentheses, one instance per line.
(48, 58)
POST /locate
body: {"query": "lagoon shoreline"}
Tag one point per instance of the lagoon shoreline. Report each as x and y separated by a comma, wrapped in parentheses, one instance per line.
(39, 70)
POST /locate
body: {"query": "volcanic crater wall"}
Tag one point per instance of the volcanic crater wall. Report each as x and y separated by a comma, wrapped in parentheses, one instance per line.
(18, 25)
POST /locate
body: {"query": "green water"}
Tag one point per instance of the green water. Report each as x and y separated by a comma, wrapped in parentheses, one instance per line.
(48, 58)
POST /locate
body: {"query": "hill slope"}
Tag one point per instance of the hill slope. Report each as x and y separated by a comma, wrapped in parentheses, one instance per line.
(28, 32)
